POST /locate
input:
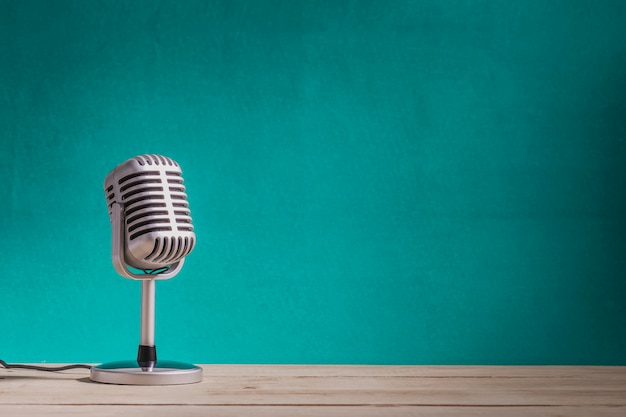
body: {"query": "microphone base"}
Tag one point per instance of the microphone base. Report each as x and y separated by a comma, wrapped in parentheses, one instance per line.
(130, 373)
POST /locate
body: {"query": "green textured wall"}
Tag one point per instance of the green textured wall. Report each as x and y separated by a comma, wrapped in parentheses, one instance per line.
(371, 182)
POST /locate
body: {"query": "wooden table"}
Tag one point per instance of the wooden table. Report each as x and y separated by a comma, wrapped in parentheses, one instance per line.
(290, 390)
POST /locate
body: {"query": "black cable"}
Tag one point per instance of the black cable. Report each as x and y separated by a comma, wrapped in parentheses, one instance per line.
(43, 368)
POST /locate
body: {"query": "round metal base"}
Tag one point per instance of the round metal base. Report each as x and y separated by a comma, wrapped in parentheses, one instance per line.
(129, 373)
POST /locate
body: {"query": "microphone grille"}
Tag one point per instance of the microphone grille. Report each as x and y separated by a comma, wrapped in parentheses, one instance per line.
(153, 159)
(158, 223)
(169, 249)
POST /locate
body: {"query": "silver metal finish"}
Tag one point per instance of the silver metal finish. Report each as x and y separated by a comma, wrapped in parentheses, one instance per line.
(150, 216)
(146, 337)
(129, 373)
(118, 250)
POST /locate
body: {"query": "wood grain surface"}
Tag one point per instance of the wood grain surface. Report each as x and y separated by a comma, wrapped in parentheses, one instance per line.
(319, 390)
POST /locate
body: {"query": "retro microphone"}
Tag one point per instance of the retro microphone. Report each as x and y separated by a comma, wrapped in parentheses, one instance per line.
(152, 234)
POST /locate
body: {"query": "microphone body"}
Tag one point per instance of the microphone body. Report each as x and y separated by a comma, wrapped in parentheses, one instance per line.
(150, 216)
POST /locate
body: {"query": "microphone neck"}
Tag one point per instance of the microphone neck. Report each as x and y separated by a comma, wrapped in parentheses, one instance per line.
(146, 356)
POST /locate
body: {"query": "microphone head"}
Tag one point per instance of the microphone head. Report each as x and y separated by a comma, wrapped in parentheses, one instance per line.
(157, 229)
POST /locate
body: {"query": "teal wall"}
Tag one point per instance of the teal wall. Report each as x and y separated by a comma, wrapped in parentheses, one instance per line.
(404, 182)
